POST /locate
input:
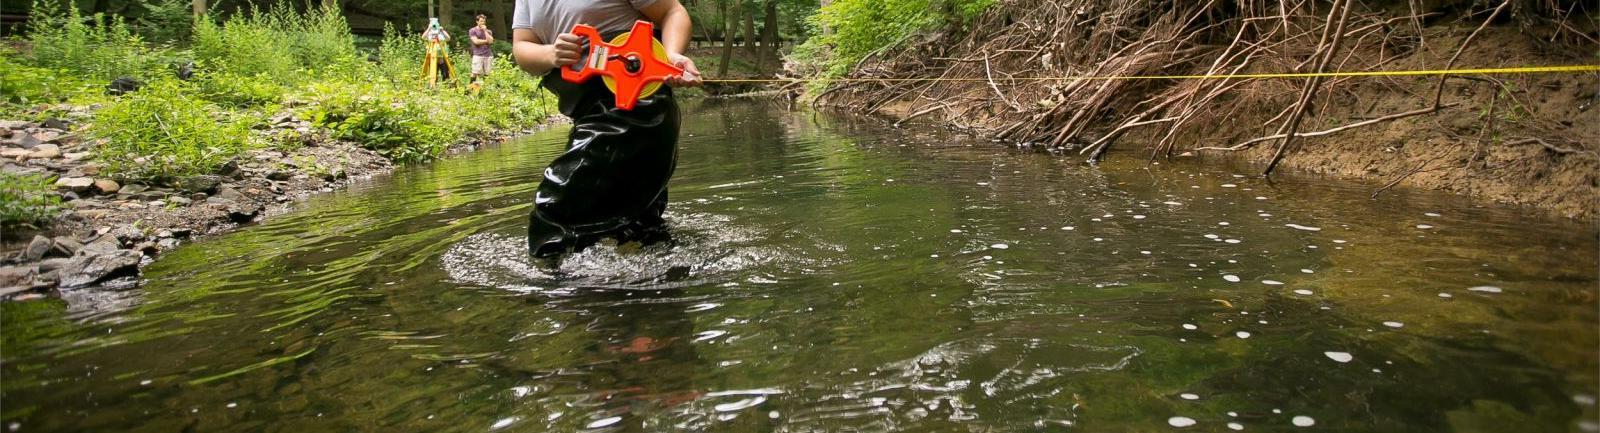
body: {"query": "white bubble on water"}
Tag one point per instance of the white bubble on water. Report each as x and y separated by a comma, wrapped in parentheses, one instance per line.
(999, 246)
(1432, 214)
(933, 256)
(1264, 215)
(1235, 426)
(1231, 278)
(1303, 421)
(1339, 357)
(1584, 399)
(1302, 292)
(1424, 226)
(1485, 289)
(955, 230)
(1190, 327)
(1307, 271)
(1098, 239)
(1211, 236)
(1444, 295)
(1393, 324)
(1260, 198)
(1144, 252)
(1242, 334)
(1138, 217)
(1232, 241)
(1301, 227)
(1229, 185)
(1189, 396)
(1338, 241)
(1172, 203)
(1272, 282)
(1068, 228)
(1180, 421)
(506, 422)
(1223, 223)
(603, 422)
(1233, 414)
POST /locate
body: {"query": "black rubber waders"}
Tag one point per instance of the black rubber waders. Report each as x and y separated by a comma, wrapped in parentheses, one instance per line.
(612, 179)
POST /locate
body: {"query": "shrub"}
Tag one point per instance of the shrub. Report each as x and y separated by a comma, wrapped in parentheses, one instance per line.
(27, 200)
(162, 133)
(25, 85)
(232, 90)
(282, 45)
(382, 119)
(97, 47)
(859, 27)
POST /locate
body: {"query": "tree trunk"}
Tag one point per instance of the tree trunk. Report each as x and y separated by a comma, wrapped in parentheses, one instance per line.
(769, 35)
(497, 19)
(728, 28)
(750, 49)
(199, 8)
(444, 15)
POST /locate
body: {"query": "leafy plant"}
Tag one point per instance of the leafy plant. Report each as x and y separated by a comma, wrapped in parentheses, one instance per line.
(163, 132)
(856, 28)
(27, 200)
(96, 47)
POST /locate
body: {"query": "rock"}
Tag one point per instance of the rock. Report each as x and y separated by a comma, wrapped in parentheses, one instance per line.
(227, 193)
(47, 136)
(45, 151)
(88, 269)
(240, 213)
(229, 169)
(55, 123)
(147, 248)
(36, 249)
(133, 188)
(52, 264)
(197, 196)
(23, 140)
(180, 201)
(205, 183)
(279, 175)
(17, 276)
(181, 232)
(167, 244)
(123, 85)
(107, 186)
(70, 196)
(64, 246)
(94, 214)
(127, 234)
(77, 156)
(90, 169)
(13, 153)
(74, 184)
(104, 244)
(13, 124)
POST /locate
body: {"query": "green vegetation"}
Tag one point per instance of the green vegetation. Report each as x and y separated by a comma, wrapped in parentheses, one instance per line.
(850, 30)
(250, 67)
(26, 200)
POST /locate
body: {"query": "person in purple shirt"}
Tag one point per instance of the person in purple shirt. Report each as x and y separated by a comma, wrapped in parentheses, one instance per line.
(482, 58)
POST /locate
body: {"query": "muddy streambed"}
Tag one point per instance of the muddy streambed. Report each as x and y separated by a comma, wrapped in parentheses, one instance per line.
(827, 275)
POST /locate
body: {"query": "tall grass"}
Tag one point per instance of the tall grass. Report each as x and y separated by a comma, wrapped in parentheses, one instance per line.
(95, 47)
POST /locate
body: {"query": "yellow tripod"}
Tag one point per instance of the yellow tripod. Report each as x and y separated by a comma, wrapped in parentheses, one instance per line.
(437, 53)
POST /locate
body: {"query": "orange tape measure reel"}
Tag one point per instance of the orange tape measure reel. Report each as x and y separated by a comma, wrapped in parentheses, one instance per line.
(632, 64)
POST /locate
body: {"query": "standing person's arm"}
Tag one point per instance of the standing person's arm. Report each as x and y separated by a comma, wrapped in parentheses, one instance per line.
(476, 40)
(676, 28)
(538, 58)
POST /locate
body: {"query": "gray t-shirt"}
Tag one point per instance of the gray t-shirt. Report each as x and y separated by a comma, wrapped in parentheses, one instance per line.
(548, 18)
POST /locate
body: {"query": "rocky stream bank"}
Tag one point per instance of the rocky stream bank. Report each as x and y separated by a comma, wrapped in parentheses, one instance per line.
(110, 226)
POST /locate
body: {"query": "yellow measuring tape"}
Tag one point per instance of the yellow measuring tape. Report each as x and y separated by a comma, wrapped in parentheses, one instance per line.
(1480, 71)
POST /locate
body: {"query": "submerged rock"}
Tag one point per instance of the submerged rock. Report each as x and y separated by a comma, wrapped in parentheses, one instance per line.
(90, 268)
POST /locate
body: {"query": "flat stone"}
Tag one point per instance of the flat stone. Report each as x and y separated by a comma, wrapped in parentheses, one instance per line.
(280, 175)
(180, 201)
(240, 213)
(47, 136)
(23, 140)
(52, 264)
(228, 193)
(77, 156)
(205, 183)
(90, 169)
(87, 269)
(17, 275)
(36, 249)
(13, 153)
(45, 151)
(64, 246)
(54, 123)
(13, 124)
(133, 188)
(106, 186)
(74, 184)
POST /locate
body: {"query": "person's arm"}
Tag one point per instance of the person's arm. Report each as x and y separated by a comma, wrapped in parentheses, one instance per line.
(538, 58)
(476, 41)
(676, 28)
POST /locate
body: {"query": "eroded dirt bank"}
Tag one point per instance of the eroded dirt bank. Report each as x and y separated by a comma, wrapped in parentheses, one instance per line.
(1528, 139)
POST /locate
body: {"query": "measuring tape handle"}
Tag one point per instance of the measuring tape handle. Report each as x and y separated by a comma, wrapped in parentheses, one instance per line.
(592, 63)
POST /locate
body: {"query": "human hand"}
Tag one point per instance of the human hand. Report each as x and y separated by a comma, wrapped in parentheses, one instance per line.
(567, 47)
(691, 74)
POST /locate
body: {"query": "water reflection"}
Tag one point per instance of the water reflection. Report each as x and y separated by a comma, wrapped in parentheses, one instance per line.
(832, 274)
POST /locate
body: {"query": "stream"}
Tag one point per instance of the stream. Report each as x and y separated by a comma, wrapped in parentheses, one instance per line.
(831, 273)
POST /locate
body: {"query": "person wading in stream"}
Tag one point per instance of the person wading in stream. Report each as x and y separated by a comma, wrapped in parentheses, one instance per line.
(612, 179)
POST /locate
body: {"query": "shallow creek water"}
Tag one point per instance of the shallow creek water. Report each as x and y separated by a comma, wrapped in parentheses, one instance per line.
(834, 274)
